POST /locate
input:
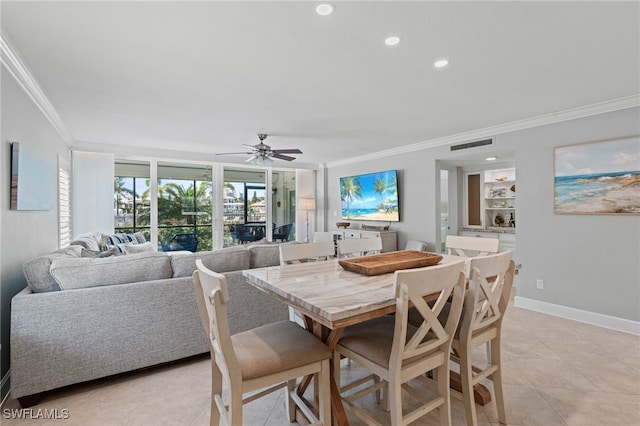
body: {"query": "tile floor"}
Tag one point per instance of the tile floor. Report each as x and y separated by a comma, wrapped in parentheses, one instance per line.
(556, 372)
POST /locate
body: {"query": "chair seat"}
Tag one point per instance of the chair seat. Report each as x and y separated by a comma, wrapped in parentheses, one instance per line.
(373, 339)
(282, 346)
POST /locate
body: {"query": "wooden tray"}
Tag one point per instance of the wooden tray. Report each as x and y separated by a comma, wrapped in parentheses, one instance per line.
(389, 262)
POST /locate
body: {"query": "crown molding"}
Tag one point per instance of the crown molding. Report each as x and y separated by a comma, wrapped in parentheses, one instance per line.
(542, 120)
(22, 74)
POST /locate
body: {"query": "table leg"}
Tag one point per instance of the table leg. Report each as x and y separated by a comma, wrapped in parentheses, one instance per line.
(330, 338)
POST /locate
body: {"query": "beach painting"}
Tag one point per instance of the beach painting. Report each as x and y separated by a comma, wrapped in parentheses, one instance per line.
(372, 196)
(598, 177)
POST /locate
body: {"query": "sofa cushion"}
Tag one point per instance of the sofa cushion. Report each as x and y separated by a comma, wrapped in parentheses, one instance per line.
(234, 258)
(86, 272)
(264, 255)
(36, 270)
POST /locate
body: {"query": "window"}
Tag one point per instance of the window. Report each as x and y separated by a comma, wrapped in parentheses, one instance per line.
(64, 203)
(184, 207)
(131, 198)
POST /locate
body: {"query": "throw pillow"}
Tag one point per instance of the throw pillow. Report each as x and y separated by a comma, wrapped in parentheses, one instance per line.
(137, 248)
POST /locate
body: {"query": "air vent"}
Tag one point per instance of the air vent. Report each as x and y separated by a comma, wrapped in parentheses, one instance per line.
(471, 144)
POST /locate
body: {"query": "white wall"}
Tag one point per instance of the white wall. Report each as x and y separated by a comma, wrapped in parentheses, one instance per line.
(25, 234)
(588, 263)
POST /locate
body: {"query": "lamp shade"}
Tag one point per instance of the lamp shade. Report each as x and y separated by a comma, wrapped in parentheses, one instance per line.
(307, 204)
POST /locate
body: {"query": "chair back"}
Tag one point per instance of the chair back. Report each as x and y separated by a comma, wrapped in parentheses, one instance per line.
(212, 299)
(185, 242)
(471, 246)
(282, 232)
(309, 252)
(322, 236)
(416, 245)
(411, 286)
(489, 290)
(356, 247)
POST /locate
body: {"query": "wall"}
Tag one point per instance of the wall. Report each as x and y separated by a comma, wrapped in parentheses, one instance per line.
(25, 234)
(588, 263)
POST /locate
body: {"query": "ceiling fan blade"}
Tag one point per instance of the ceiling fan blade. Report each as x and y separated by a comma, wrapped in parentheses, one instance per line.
(248, 160)
(232, 153)
(286, 151)
(282, 157)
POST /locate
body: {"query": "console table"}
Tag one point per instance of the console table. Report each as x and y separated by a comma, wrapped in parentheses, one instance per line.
(389, 238)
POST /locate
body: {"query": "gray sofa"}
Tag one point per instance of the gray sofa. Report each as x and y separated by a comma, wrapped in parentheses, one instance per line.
(85, 318)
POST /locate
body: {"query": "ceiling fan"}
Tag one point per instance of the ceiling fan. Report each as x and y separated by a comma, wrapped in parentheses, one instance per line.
(263, 155)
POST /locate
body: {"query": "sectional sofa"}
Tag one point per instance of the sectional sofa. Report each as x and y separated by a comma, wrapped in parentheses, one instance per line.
(83, 318)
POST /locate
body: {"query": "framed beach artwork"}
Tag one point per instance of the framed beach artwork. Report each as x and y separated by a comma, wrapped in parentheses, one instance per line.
(598, 177)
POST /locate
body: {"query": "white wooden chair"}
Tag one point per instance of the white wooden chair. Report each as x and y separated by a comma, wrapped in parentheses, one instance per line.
(270, 356)
(356, 247)
(416, 245)
(398, 352)
(304, 252)
(484, 305)
(471, 246)
(322, 236)
(307, 252)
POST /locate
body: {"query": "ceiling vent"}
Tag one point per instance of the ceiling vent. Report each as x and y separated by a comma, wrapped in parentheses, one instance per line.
(471, 144)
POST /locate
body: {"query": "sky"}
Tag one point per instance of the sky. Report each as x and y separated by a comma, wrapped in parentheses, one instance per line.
(619, 155)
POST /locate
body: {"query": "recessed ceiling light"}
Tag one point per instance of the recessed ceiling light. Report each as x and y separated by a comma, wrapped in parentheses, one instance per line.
(392, 41)
(491, 158)
(441, 63)
(325, 9)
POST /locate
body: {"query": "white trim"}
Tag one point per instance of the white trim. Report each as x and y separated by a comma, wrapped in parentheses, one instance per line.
(601, 320)
(487, 132)
(22, 74)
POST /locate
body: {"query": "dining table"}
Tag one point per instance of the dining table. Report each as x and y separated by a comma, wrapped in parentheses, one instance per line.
(330, 298)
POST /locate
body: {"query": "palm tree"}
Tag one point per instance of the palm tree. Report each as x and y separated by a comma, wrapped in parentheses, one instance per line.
(119, 190)
(380, 186)
(350, 189)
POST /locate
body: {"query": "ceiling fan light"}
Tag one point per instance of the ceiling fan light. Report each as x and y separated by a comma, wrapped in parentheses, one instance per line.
(259, 160)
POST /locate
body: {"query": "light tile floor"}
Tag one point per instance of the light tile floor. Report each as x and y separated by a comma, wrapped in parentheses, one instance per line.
(556, 372)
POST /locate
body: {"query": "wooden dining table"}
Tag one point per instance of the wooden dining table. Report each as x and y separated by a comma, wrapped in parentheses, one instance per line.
(330, 299)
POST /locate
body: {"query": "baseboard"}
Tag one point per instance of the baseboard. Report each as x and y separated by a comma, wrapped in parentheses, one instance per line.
(593, 318)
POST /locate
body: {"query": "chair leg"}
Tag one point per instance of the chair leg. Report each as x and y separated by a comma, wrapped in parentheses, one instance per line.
(216, 389)
(324, 382)
(444, 410)
(376, 380)
(290, 406)
(497, 380)
(466, 377)
(394, 388)
(336, 368)
(235, 405)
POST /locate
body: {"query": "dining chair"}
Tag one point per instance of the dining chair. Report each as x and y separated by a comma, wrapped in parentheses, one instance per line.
(416, 245)
(306, 252)
(485, 303)
(322, 236)
(264, 359)
(471, 246)
(356, 247)
(396, 352)
(282, 232)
